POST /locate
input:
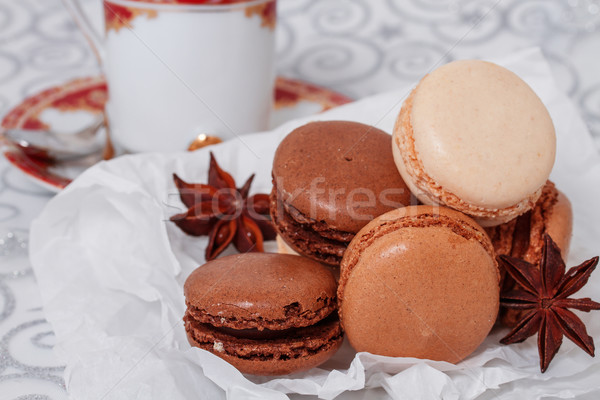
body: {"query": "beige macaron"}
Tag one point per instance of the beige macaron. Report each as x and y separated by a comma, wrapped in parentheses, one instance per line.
(475, 137)
(420, 281)
(283, 247)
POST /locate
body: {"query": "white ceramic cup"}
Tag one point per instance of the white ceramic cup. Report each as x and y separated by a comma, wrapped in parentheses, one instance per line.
(177, 69)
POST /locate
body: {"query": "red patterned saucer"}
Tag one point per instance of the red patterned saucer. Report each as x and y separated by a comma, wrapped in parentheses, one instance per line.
(78, 101)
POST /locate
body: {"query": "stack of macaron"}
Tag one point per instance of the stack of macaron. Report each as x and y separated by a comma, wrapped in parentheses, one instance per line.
(266, 314)
(330, 179)
(410, 224)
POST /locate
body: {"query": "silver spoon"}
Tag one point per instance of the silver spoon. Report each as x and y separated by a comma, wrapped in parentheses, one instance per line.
(57, 146)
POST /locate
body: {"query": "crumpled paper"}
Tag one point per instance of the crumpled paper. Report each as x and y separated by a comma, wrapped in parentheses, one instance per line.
(110, 268)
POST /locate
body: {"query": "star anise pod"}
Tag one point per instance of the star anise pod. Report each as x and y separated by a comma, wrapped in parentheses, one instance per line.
(223, 212)
(544, 290)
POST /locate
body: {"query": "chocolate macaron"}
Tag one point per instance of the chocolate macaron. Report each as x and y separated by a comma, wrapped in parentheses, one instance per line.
(331, 178)
(420, 281)
(266, 314)
(523, 237)
(474, 137)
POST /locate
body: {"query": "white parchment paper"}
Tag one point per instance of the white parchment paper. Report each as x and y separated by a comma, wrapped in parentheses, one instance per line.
(110, 268)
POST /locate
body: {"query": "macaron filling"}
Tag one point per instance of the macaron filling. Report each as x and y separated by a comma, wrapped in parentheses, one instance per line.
(256, 334)
(264, 334)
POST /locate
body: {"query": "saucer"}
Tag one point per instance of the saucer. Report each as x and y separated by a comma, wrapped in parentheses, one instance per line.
(71, 106)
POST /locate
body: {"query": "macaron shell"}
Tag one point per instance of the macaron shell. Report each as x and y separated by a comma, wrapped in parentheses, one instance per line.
(482, 133)
(421, 282)
(339, 172)
(415, 216)
(430, 192)
(309, 348)
(261, 290)
(436, 302)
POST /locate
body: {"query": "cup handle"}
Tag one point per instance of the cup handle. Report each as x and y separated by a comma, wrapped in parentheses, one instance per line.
(93, 37)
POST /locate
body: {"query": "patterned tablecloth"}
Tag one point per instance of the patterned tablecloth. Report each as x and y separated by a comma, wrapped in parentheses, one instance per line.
(356, 47)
